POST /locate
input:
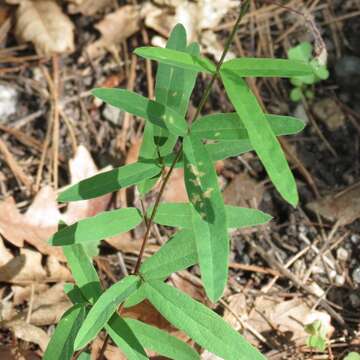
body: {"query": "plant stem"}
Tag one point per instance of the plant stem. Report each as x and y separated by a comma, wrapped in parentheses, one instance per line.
(153, 213)
(243, 10)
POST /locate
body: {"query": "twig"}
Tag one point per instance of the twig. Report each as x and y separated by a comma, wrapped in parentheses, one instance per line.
(56, 126)
(270, 259)
(14, 166)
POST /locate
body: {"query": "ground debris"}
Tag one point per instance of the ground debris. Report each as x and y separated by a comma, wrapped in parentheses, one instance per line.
(343, 207)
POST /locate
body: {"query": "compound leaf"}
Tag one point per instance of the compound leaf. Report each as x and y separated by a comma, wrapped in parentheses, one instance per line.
(109, 181)
(229, 126)
(151, 110)
(160, 341)
(104, 308)
(101, 226)
(176, 254)
(261, 136)
(176, 58)
(260, 67)
(204, 326)
(208, 215)
(61, 345)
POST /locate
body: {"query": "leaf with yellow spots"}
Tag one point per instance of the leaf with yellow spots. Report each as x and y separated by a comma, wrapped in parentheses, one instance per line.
(208, 216)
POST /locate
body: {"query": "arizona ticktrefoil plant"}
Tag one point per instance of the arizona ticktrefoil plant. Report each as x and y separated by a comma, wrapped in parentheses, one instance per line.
(304, 85)
(202, 225)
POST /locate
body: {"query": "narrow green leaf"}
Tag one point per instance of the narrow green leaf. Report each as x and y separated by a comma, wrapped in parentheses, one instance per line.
(260, 67)
(177, 58)
(109, 181)
(179, 215)
(83, 271)
(104, 308)
(261, 136)
(99, 227)
(164, 74)
(125, 338)
(227, 148)
(151, 110)
(61, 345)
(176, 254)
(161, 342)
(229, 126)
(209, 215)
(135, 298)
(84, 356)
(182, 85)
(239, 217)
(74, 294)
(204, 326)
(173, 88)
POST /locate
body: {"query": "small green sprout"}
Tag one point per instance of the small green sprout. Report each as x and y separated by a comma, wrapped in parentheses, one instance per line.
(302, 84)
(317, 338)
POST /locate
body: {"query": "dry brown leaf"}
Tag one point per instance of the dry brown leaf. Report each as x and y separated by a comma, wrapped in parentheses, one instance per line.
(43, 23)
(50, 296)
(287, 317)
(111, 352)
(115, 28)
(343, 207)
(81, 167)
(24, 268)
(243, 191)
(15, 353)
(17, 228)
(188, 287)
(49, 314)
(199, 18)
(125, 243)
(87, 7)
(5, 254)
(175, 190)
(41, 219)
(28, 332)
(23, 293)
(56, 271)
(46, 307)
(7, 310)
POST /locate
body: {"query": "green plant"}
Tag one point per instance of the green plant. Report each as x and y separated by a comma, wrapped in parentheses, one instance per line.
(317, 338)
(352, 356)
(203, 223)
(303, 85)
